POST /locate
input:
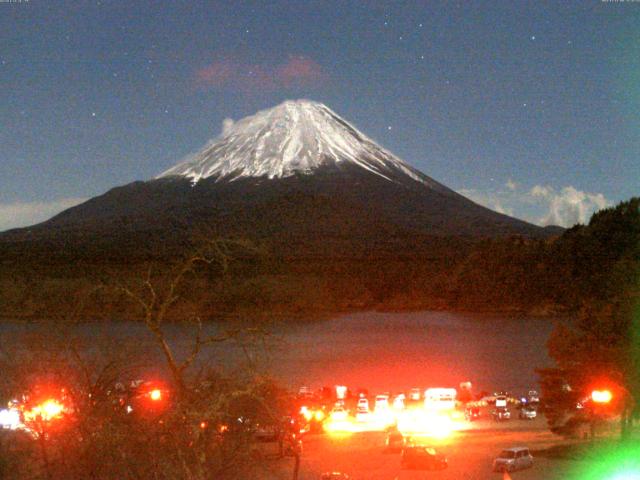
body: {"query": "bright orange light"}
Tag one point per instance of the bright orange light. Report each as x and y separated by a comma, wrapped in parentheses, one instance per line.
(341, 427)
(155, 395)
(319, 415)
(425, 423)
(47, 410)
(308, 414)
(52, 408)
(601, 396)
(203, 425)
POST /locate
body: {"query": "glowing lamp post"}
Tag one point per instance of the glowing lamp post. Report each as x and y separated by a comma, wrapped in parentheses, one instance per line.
(599, 399)
(155, 395)
(601, 396)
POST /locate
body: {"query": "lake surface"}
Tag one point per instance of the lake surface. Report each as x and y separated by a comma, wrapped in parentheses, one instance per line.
(396, 351)
(378, 351)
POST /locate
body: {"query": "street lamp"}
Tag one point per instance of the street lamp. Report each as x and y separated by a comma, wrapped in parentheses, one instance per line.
(155, 394)
(601, 396)
(600, 400)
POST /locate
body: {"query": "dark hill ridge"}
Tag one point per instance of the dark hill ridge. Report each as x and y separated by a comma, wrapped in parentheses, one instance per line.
(331, 213)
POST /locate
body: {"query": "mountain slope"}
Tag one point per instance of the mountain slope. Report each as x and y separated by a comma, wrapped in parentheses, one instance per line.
(296, 177)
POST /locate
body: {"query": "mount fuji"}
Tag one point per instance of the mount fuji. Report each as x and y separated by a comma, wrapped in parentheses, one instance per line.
(294, 137)
(296, 177)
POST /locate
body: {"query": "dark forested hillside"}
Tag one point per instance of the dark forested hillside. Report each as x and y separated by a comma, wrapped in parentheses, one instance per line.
(514, 274)
(587, 261)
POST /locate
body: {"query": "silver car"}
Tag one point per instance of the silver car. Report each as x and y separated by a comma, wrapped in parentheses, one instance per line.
(528, 413)
(516, 458)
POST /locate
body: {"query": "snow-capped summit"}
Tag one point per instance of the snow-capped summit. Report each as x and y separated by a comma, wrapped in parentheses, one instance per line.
(294, 137)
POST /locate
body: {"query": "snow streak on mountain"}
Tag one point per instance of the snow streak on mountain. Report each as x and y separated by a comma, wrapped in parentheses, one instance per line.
(294, 137)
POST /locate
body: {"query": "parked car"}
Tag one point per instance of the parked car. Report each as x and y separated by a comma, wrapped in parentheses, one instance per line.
(398, 401)
(415, 394)
(527, 413)
(305, 392)
(394, 443)
(338, 413)
(501, 414)
(471, 413)
(362, 416)
(362, 410)
(422, 458)
(267, 433)
(382, 403)
(516, 458)
(363, 405)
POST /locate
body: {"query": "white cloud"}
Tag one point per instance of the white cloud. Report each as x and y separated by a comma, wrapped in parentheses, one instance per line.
(541, 191)
(569, 206)
(227, 123)
(511, 185)
(541, 204)
(22, 214)
(500, 208)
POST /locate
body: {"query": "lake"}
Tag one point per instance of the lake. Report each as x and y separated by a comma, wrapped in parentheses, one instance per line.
(378, 351)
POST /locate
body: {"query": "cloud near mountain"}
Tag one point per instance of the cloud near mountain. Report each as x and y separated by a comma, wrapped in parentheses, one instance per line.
(541, 204)
(568, 206)
(236, 74)
(21, 214)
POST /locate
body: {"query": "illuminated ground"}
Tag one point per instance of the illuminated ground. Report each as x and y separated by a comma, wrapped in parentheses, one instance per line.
(470, 454)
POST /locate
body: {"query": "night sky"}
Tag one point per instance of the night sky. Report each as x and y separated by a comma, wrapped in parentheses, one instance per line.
(530, 108)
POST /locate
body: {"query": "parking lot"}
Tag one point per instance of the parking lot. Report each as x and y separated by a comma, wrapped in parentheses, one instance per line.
(470, 453)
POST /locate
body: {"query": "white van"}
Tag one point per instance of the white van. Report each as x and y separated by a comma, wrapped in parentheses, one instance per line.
(362, 410)
(510, 459)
